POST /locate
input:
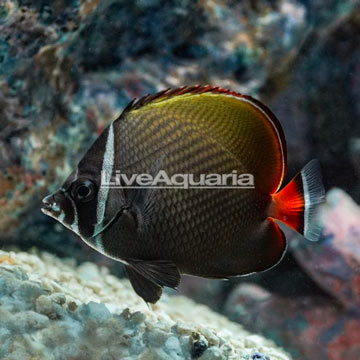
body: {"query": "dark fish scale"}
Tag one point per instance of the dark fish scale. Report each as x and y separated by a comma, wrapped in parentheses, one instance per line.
(185, 229)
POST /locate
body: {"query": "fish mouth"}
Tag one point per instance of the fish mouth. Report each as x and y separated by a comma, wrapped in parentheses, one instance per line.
(48, 210)
(48, 207)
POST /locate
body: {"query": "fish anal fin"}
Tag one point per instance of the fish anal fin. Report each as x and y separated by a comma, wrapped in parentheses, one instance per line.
(265, 250)
(272, 247)
(160, 272)
(146, 289)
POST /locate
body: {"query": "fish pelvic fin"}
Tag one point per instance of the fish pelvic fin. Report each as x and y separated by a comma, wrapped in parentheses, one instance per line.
(297, 203)
(146, 289)
(148, 277)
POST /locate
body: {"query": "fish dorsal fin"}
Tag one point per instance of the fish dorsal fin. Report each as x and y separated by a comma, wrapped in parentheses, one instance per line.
(239, 122)
(169, 93)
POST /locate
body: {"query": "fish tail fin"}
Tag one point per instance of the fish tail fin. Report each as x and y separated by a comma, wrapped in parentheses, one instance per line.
(296, 204)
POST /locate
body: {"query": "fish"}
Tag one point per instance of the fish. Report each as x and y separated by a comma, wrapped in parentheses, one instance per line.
(162, 232)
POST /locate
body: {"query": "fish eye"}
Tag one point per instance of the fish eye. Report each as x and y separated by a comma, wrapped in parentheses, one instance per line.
(83, 190)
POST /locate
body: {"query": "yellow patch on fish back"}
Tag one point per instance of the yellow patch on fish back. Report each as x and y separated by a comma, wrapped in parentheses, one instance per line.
(242, 125)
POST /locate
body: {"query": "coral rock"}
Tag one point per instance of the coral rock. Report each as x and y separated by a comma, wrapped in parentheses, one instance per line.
(50, 309)
(334, 261)
(309, 327)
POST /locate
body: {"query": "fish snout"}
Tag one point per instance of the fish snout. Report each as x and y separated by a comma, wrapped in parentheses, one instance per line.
(47, 200)
(51, 205)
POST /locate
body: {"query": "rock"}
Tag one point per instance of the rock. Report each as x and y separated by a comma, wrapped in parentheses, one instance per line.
(309, 327)
(334, 261)
(205, 291)
(305, 90)
(102, 318)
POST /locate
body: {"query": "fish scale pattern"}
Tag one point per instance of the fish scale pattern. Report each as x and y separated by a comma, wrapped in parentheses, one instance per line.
(203, 230)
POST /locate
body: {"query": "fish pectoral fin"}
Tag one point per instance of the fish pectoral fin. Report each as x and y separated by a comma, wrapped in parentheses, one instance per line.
(145, 288)
(144, 208)
(160, 272)
(143, 199)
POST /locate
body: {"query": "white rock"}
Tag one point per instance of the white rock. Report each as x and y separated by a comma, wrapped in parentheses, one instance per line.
(50, 309)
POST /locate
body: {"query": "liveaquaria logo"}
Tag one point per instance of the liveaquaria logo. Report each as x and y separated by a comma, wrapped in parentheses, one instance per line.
(183, 181)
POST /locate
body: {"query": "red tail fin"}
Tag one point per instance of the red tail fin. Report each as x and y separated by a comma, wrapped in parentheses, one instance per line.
(295, 204)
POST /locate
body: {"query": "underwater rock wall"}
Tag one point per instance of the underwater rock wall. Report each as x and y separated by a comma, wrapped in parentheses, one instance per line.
(67, 68)
(51, 309)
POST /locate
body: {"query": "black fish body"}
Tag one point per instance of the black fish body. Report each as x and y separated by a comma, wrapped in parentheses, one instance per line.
(202, 240)
(160, 233)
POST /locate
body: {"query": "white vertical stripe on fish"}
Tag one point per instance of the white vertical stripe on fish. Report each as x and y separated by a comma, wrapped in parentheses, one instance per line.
(99, 244)
(95, 243)
(75, 224)
(61, 217)
(107, 168)
(306, 201)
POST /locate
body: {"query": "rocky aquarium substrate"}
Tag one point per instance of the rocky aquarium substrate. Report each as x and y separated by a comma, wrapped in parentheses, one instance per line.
(52, 309)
